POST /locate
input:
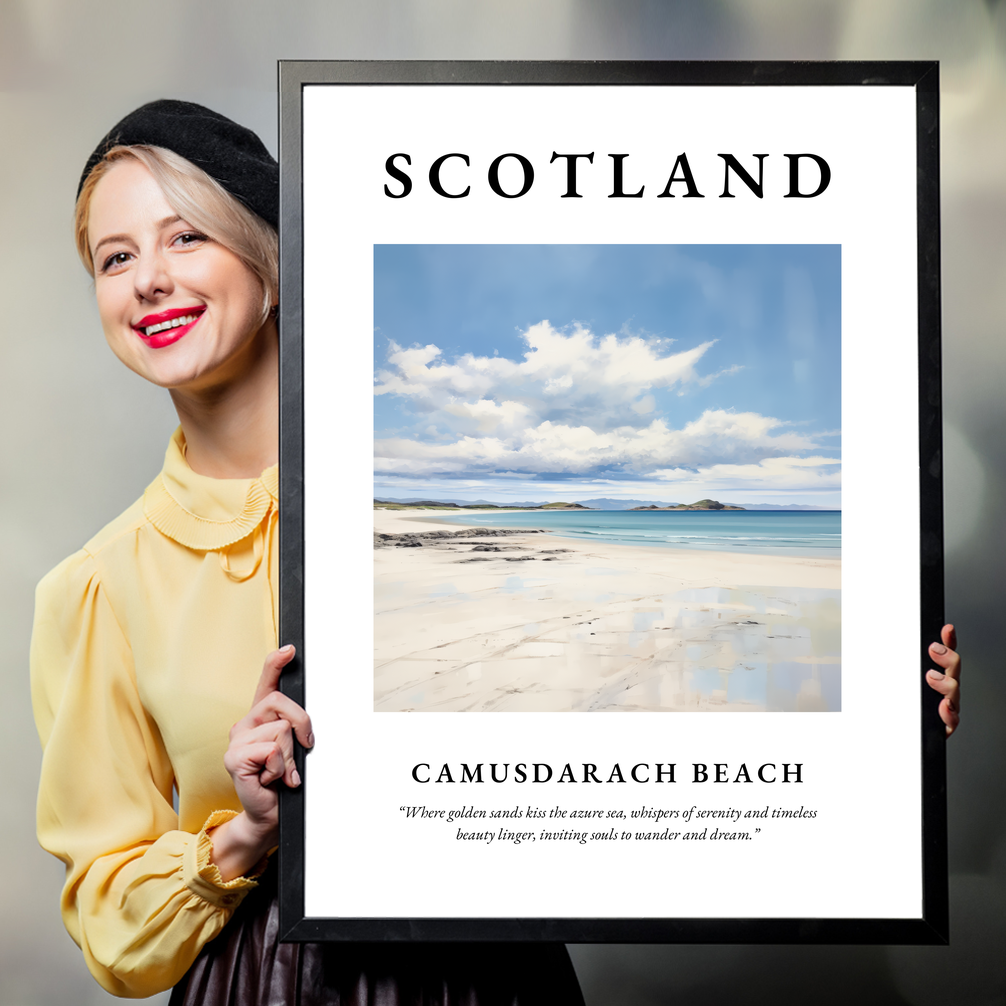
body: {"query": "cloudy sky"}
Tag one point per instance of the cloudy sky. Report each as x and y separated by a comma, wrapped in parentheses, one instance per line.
(567, 372)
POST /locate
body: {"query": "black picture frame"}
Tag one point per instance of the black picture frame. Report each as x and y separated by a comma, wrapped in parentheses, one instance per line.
(931, 927)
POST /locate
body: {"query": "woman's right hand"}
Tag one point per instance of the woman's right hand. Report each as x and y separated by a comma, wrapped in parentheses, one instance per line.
(259, 754)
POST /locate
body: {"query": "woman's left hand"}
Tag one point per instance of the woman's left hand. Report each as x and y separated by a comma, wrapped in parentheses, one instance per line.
(948, 681)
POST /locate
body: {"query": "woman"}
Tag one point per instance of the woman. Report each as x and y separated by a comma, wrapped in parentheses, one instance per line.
(148, 643)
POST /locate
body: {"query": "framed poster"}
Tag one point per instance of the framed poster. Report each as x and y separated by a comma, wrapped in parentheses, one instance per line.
(612, 529)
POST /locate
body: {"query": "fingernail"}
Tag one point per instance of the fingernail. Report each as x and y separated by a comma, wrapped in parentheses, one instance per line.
(936, 676)
(938, 648)
(310, 740)
(295, 777)
(287, 649)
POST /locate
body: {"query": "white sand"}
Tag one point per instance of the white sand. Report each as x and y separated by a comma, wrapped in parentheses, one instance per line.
(599, 626)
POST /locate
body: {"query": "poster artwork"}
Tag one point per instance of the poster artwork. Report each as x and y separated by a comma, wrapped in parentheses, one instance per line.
(602, 396)
(607, 478)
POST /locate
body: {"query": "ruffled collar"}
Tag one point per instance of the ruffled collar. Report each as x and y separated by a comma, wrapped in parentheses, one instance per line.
(203, 513)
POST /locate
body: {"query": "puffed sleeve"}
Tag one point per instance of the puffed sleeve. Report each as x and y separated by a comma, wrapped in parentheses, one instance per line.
(141, 898)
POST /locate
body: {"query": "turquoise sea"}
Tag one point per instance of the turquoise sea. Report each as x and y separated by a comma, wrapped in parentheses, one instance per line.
(809, 533)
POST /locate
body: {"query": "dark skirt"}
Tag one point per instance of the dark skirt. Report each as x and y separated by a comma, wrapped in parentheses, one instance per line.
(246, 965)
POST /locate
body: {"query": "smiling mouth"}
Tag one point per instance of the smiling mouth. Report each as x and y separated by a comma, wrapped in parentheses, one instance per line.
(165, 325)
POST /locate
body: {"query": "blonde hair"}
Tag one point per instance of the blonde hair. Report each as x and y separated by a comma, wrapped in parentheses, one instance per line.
(199, 200)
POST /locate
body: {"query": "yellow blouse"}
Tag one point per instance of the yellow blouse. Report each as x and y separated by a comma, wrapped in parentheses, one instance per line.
(147, 647)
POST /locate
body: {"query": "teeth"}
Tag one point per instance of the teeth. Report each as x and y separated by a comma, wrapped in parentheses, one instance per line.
(174, 323)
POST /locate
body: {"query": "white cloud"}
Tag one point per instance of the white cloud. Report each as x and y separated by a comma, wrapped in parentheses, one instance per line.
(570, 376)
(582, 407)
(488, 417)
(772, 474)
(717, 437)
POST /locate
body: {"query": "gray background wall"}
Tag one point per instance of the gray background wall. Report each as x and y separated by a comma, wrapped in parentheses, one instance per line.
(82, 436)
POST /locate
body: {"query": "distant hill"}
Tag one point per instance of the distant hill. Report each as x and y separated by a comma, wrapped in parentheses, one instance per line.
(421, 504)
(414, 501)
(417, 505)
(700, 505)
(788, 506)
(603, 503)
(613, 504)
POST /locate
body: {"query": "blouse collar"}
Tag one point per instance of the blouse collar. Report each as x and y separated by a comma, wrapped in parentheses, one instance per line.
(203, 513)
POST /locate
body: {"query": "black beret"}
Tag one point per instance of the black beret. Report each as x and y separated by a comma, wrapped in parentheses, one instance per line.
(230, 154)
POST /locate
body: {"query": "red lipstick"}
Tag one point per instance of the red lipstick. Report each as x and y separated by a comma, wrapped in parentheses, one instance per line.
(166, 327)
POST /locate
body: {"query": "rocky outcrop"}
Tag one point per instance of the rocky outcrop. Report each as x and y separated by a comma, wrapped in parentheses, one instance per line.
(417, 539)
(453, 541)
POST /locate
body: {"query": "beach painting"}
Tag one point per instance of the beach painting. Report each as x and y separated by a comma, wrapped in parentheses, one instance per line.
(607, 478)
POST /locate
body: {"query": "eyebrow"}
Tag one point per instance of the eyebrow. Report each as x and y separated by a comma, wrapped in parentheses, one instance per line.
(111, 238)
